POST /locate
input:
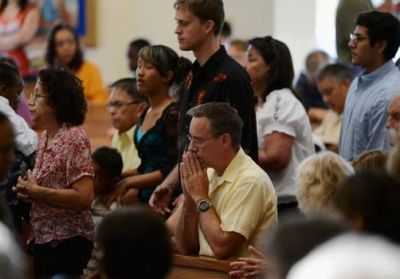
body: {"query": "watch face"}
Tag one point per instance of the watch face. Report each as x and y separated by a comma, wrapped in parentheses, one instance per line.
(204, 205)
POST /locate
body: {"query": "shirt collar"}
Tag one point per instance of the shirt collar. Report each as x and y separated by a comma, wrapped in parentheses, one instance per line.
(4, 100)
(230, 172)
(378, 73)
(212, 61)
(127, 133)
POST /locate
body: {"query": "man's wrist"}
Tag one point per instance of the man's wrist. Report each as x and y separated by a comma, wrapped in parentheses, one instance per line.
(196, 199)
(203, 205)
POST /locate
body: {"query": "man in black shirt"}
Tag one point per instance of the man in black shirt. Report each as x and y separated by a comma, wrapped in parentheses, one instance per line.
(215, 77)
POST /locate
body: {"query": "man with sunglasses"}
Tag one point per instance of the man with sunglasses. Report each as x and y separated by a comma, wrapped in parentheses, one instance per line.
(373, 43)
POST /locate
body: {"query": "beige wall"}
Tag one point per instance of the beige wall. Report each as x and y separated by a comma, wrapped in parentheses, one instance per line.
(154, 19)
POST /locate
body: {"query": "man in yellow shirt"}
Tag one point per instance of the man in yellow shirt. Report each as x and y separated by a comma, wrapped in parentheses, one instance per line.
(125, 106)
(229, 205)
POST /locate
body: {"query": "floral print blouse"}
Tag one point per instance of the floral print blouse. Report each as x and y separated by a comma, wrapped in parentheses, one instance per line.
(59, 165)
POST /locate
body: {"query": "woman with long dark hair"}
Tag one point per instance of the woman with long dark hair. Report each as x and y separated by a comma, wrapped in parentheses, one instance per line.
(284, 131)
(64, 50)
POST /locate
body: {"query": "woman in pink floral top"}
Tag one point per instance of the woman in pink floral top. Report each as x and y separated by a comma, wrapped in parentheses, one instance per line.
(61, 184)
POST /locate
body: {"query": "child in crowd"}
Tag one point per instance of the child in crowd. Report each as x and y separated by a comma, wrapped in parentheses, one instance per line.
(107, 164)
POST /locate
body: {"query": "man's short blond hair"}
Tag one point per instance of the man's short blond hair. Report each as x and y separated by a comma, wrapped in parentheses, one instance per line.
(318, 178)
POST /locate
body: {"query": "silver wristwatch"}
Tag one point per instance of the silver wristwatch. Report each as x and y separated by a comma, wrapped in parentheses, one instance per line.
(203, 205)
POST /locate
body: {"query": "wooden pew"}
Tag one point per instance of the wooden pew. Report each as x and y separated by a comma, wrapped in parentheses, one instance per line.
(97, 124)
(188, 267)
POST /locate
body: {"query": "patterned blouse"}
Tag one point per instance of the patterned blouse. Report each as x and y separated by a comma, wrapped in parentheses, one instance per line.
(59, 165)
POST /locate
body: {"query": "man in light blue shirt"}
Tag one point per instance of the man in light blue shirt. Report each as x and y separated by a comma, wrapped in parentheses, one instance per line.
(373, 44)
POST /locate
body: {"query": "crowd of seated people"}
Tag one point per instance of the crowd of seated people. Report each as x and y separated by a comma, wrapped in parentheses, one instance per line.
(214, 158)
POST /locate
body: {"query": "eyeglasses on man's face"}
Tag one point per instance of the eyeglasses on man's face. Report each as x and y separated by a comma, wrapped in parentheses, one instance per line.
(355, 38)
(197, 141)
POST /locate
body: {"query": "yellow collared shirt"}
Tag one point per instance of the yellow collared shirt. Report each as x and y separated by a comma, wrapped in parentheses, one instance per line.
(244, 199)
(124, 143)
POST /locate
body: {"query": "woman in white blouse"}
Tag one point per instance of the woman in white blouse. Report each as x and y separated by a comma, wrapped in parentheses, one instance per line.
(284, 131)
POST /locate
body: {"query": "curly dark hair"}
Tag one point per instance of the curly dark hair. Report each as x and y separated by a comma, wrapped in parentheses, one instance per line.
(21, 4)
(65, 95)
(276, 54)
(51, 55)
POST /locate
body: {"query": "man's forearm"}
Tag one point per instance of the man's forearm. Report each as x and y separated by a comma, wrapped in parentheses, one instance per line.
(223, 244)
(187, 238)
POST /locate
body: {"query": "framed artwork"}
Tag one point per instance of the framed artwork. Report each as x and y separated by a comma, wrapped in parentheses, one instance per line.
(81, 14)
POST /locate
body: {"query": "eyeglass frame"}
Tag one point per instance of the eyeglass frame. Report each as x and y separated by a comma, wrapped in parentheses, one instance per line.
(356, 38)
(198, 142)
(34, 96)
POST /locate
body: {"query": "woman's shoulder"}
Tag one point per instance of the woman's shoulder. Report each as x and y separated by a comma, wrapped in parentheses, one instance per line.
(88, 66)
(283, 94)
(171, 107)
(75, 134)
(285, 97)
(282, 104)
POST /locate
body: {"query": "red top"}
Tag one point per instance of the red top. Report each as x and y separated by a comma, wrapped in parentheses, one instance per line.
(10, 27)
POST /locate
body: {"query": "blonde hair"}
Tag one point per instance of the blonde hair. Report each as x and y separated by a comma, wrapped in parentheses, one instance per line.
(318, 178)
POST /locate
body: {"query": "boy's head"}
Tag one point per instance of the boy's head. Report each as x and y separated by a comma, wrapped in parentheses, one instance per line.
(125, 104)
(108, 167)
(11, 83)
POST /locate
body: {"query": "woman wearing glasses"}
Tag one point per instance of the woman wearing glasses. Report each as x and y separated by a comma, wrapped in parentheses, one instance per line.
(64, 49)
(156, 131)
(60, 186)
